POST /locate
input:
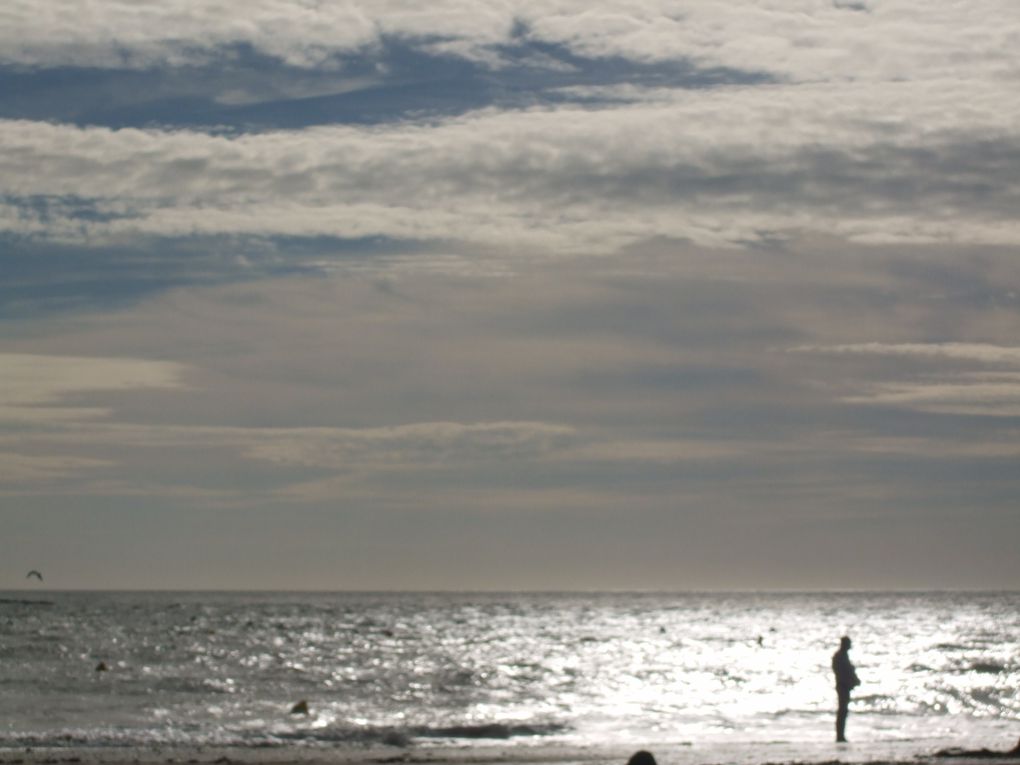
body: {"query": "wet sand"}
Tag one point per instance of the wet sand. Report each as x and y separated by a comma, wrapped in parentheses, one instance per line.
(473, 755)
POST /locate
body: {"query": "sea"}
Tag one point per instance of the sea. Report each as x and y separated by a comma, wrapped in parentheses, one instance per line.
(693, 677)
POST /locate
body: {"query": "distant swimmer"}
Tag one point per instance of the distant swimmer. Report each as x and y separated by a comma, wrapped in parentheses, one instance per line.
(34, 573)
(846, 681)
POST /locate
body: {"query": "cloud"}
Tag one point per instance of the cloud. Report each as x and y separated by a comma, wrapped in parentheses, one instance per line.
(34, 383)
(37, 387)
(662, 452)
(964, 398)
(17, 468)
(347, 452)
(985, 353)
(808, 40)
(111, 34)
(951, 392)
(636, 400)
(363, 232)
(873, 123)
(1002, 398)
(1003, 446)
(654, 373)
(417, 444)
(734, 165)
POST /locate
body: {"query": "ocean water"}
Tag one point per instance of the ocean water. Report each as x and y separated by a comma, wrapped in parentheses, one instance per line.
(696, 673)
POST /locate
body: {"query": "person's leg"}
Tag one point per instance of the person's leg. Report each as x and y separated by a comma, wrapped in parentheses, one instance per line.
(841, 712)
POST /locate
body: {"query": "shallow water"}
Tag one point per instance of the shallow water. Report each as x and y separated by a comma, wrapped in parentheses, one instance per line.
(680, 672)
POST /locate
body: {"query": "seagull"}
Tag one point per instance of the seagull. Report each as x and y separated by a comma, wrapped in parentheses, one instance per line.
(34, 573)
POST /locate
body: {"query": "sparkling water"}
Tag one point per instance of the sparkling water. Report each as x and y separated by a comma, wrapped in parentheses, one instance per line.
(665, 671)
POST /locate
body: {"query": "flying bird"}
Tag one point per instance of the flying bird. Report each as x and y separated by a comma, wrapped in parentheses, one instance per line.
(34, 573)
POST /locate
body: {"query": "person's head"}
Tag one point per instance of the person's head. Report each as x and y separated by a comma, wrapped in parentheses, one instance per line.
(641, 758)
(844, 643)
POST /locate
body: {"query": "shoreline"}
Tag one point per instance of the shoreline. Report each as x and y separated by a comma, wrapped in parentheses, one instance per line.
(779, 753)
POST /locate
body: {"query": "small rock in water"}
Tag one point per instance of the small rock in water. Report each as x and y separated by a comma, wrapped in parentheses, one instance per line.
(301, 708)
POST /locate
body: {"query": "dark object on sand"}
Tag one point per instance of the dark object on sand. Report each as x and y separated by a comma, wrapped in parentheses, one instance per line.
(980, 754)
(34, 573)
(641, 758)
(301, 708)
(101, 667)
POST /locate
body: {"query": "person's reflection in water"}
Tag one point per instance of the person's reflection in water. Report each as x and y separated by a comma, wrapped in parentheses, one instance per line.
(846, 680)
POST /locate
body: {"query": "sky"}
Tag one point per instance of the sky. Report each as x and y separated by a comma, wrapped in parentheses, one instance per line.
(508, 294)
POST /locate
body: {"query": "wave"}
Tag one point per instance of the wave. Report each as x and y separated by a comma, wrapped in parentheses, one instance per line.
(980, 667)
(404, 737)
(490, 730)
(988, 667)
(367, 736)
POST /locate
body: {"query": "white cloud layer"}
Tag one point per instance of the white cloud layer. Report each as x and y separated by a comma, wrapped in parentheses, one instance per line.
(897, 162)
(802, 40)
(884, 122)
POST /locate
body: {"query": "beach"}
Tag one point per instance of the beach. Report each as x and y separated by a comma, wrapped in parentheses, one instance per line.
(775, 753)
(462, 756)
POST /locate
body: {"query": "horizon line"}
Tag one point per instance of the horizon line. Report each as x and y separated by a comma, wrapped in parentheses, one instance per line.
(498, 591)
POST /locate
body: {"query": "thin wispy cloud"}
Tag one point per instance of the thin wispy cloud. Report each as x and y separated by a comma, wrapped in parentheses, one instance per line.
(945, 391)
(38, 389)
(36, 386)
(989, 399)
(18, 468)
(989, 354)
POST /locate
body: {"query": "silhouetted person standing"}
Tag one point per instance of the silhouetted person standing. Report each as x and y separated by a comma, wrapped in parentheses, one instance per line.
(846, 680)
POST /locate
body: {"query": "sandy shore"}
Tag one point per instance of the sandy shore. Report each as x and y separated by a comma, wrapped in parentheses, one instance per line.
(476, 755)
